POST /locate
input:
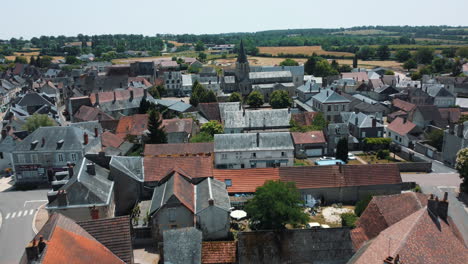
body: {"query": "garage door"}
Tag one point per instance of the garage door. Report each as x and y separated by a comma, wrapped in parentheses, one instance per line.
(314, 152)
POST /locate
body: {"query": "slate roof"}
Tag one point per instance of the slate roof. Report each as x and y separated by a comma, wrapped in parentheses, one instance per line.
(130, 166)
(132, 125)
(178, 125)
(308, 177)
(215, 252)
(114, 233)
(257, 118)
(211, 189)
(330, 96)
(295, 70)
(67, 242)
(270, 75)
(403, 105)
(86, 190)
(437, 91)
(248, 141)
(311, 137)
(73, 139)
(210, 111)
(226, 107)
(179, 149)
(246, 180)
(418, 238)
(33, 99)
(87, 113)
(401, 127)
(155, 168)
(363, 120)
(386, 210)
(429, 113)
(182, 245)
(310, 87)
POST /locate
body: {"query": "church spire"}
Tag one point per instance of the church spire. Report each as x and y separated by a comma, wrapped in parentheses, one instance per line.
(241, 57)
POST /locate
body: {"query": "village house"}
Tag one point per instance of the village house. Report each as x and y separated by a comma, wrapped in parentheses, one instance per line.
(253, 150)
(179, 130)
(119, 102)
(86, 113)
(334, 133)
(49, 149)
(307, 90)
(363, 126)
(455, 138)
(309, 144)
(330, 103)
(179, 149)
(427, 115)
(403, 132)
(86, 194)
(441, 97)
(245, 121)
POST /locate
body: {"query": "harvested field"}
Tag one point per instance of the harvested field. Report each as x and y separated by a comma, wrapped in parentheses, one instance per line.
(28, 56)
(178, 44)
(373, 64)
(26, 53)
(305, 50)
(257, 61)
(365, 32)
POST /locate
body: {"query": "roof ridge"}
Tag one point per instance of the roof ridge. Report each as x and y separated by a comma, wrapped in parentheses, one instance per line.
(410, 229)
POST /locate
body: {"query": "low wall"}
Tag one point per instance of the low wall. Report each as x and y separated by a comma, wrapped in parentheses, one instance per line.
(415, 166)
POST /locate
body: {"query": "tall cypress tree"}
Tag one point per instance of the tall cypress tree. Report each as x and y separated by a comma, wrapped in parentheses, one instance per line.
(355, 61)
(156, 135)
(342, 150)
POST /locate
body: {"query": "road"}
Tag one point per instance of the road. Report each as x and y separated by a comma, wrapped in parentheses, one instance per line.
(437, 166)
(17, 209)
(437, 184)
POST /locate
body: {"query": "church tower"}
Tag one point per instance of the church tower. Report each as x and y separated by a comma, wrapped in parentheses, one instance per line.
(242, 71)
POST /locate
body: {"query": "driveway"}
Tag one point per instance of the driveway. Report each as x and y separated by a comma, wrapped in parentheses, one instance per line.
(437, 184)
(17, 210)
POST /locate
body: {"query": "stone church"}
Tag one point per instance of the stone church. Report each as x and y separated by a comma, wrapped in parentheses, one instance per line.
(245, 79)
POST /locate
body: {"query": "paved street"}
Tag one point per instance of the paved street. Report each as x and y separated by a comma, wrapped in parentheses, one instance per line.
(17, 209)
(437, 166)
(438, 183)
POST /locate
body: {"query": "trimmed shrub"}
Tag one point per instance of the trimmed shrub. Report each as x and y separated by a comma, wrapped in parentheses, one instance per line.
(348, 220)
(362, 205)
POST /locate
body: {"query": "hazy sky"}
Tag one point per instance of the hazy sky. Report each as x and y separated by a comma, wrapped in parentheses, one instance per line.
(29, 18)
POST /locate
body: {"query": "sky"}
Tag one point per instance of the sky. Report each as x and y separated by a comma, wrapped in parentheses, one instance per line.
(33, 18)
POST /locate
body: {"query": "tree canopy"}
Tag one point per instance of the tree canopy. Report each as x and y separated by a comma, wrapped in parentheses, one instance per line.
(462, 168)
(156, 134)
(255, 99)
(274, 205)
(289, 62)
(201, 95)
(235, 97)
(280, 99)
(37, 120)
(383, 52)
(212, 127)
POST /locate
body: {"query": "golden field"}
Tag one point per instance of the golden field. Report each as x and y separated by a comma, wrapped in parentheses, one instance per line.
(306, 50)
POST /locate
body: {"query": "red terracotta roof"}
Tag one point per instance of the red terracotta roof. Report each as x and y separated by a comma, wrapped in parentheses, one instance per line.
(178, 149)
(351, 175)
(311, 137)
(113, 233)
(219, 252)
(183, 190)
(119, 95)
(450, 113)
(158, 167)
(178, 125)
(384, 211)
(68, 247)
(246, 180)
(132, 125)
(401, 127)
(403, 105)
(397, 114)
(109, 139)
(304, 119)
(358, 76)
(418, 238)
(86, 113)
(358, 236)
(139, 79)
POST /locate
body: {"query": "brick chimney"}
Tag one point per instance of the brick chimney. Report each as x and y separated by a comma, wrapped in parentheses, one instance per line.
(32, 250)
(85, 139)
(211, 202)
(42, 142)
(96, 132)
(115, 97)
(4, 133)
(131, 95)
(391, 260)
(438, 208)
(97, 100)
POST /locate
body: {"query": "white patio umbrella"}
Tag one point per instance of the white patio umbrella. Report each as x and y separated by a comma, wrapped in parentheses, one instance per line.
(238, 214)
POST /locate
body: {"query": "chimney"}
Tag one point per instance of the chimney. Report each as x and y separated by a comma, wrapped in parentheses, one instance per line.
(32, 251)
(51, 196)
(374, 122)
(243, 113)
(115, 97)
(97, 99)
(91, 168)
(41, 244)
(43, 142)
(70, 170)
(258, 139)
(327, 93)
(131, 95)
(145, 93)
(451, 128)
(211, 202)
(442, 208)
(356, 121)
(4, 133)
(391, 260)
(460, 128)
(240, 106)
(62, 198)
(85, 139)
(404, 119)
(96, 132)
(60, 143)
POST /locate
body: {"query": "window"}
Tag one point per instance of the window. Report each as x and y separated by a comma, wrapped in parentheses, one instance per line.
(172, 214)
(74, 157)
(173, 226)
(224, 156)
(329, 108)
(60, 157)
(34, 158)
(238, 155)
(1, 155)
(379, 133)
(342, 107)
(254, 155)
(363, 134)
(228, 182)
(389, 133)
(21, 158)
(335, 107)
(283, 154)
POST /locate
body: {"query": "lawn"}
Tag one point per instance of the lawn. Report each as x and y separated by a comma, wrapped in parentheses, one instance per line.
(306, 50)
(372, 159)
(354, 162)
(302, 162)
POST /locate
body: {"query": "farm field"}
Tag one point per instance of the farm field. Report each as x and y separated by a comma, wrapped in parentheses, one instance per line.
(373, 63)
(306, 50)
(28, 56)
(365, 32)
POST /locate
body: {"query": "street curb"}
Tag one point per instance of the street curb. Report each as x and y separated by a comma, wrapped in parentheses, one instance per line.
(1, 219)
(34, 219)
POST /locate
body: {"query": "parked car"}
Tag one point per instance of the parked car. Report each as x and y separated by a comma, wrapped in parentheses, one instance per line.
(351, 156)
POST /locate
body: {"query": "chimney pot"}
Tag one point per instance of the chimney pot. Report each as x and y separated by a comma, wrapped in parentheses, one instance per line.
(211, 202)
(85, 138)
(91, 168)
(96, 132)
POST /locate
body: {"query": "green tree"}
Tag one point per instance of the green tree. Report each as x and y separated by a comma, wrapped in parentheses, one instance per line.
(212, 127)
(462, 168)
(280, 99)
(37, 120)
(366, 52)
(309, 65)
(274, 205)
(145, 107)
(449, 53)
(361, 205)
(202, 57)
(436, 139)
(410, 64)
(289, 62)
(389, 72)
(462, 52)
(383, 52)
(342, 150)
(345, 68)
(201, 137)
(32, 61)
(319, 122)
(457, 67)
(255, 99)
(156, 134)
(154, 92)
(20, 59)
(439, 64)
(199, 46)
(324, 69)
(201, 95)
(416, 76)
(71, 60)
(424, 55)
(355, 61)
(402, 55)
(235, 97)
(44, 61)
(334, 64)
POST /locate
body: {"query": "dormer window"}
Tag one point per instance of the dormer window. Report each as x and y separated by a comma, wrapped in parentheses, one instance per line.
(60, 143)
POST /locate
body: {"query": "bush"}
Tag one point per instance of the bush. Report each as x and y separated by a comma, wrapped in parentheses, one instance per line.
(377, 143)
(348, 219)
(362, 205)
(383, 154)
(417, 189)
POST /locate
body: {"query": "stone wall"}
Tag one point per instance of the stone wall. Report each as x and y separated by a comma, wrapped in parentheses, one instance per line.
(415, 166)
